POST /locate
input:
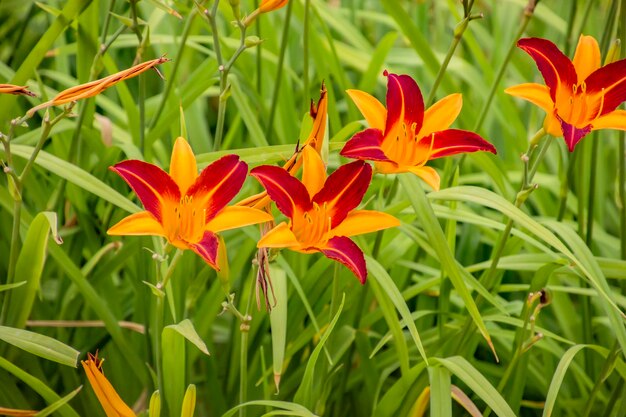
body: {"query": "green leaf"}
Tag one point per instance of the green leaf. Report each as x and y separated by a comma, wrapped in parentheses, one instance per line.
(39, 387)
(40, 345)
(29, 266)
(440, 392)
(173, 344)
(305, 391)
(438, 240)
(76, 176)
(557, 378)
(292, 408)
(58, 404)
(186, 329)
(278, 321)
(478, 383)
(390, 289)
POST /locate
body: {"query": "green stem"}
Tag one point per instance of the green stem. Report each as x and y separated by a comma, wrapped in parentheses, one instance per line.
(622, 196)
(171, 79)
(607, 368)
(489, 278)
(458, 34)
(157, 322)
(305, 52)
(565, 181)
(224, 87)
(528, 13)
(259, 56)
(592, 191)
(279, 70)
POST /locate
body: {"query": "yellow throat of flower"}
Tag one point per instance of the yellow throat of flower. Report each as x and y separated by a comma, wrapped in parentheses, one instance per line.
(312, 228)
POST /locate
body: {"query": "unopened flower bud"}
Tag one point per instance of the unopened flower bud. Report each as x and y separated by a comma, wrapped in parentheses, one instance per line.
(252, 41)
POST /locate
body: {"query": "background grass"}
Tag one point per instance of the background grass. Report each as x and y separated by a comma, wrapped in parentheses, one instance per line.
(565, 358)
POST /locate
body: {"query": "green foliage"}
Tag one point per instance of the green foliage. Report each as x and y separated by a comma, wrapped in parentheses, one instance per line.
(487, 300)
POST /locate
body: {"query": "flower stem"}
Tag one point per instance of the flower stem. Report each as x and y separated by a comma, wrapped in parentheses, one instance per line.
(526, 188)
(528, 14)
(279, 70)
(458, 34)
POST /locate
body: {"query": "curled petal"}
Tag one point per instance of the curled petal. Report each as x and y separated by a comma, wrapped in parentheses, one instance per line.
(344, 250)
(289, 194)
(372, 109)
(608, 86)
(405, 104)
(587, 57)
(279, 237)
(454, 141)
(139, 224)
(206, 248)
(237, 216)
(442, 114)
(154, 187)
(364, 221)
(614, 120)
(218, 183)
(344, 189)
(557, 70)
(183, 168)
(428, 174)
(537, 94)
(365, 145)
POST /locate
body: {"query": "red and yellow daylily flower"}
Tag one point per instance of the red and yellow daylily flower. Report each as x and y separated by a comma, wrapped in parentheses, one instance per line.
(321, 210)
(186, 208)
(403, 137)
(579, 95)
(110, 400)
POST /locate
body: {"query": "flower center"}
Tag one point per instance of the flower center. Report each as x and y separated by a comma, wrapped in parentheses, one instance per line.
(578, 108)
(404, 147)
(312, 227)
(186, 222)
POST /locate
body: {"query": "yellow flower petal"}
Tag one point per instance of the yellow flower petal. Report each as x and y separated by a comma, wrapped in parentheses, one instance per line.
(372, 109)
(108, 397)
(428, 174)
(183, 168)
(138, 224)
(441, 115)
(364, 221)
(232, 217)
(313, 171)
(552, 126)
(535, 93)
(279, 237)
(614, 120)
(587, 57)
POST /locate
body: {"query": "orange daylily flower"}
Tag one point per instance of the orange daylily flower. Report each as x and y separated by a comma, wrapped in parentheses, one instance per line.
(264, 7)
(15, 89)
(110, 400)
(403, 137)
(186, 208)
(580, 95)
(315, 140)
(94, 88)
(321, 210)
